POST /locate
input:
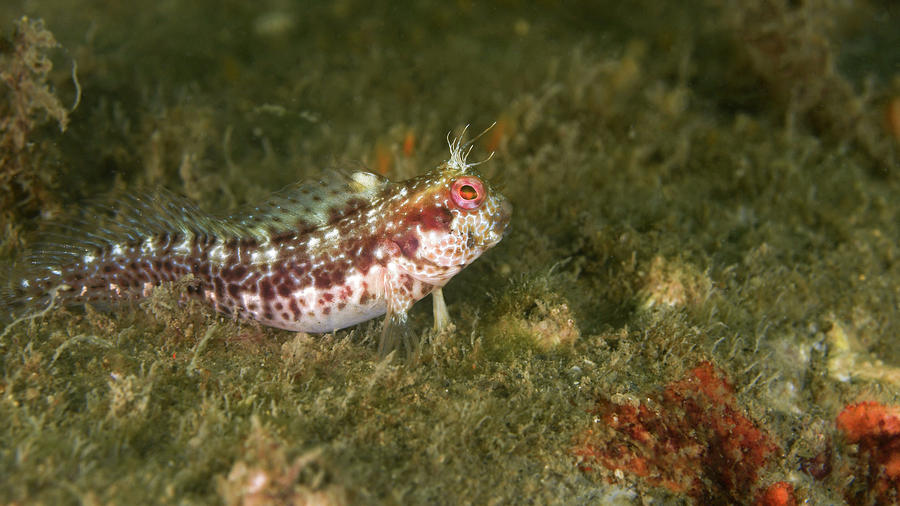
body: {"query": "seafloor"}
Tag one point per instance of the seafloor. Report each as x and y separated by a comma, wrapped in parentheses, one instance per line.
(698, 300)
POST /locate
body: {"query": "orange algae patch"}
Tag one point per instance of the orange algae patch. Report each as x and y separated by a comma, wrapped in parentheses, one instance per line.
(780, 493)
(384, 159)
(866, 420)
(409, 143)
(875, 428)
(498, 134)
(892, 117)
(693, 438)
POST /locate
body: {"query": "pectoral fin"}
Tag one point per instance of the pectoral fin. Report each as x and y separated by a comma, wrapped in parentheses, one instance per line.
(441, 316)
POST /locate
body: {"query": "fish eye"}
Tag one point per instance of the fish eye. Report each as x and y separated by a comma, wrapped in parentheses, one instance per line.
(467, 192)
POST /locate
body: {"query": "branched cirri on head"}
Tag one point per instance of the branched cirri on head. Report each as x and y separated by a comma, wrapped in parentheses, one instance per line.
(316, 257)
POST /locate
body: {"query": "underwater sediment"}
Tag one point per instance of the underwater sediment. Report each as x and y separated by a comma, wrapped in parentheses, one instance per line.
(695, 301)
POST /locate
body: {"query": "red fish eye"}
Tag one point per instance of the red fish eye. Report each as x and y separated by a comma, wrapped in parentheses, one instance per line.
(467, 192)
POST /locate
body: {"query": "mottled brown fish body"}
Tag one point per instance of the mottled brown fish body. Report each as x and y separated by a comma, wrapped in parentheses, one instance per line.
(315, 258)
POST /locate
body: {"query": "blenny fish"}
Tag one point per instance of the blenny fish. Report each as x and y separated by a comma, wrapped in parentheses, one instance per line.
(316, 257)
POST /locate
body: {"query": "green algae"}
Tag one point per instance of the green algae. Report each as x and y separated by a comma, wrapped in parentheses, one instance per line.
(680, 196)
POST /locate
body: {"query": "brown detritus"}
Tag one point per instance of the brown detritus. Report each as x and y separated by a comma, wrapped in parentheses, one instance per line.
(129, 396)
(892, 117)
(671, 284)
(847, 358)
(28, 102)
(818, 466)
(175, 142)
(551, 325)
(533, 315)
(787, 45)
(265, 474)
(170, 304)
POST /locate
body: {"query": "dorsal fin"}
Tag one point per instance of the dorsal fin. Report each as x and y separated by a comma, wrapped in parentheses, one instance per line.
(133, 217)
(307, 206)
(126, 218)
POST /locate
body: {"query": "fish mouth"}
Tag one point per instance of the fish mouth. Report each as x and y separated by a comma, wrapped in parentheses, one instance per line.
(497, 231)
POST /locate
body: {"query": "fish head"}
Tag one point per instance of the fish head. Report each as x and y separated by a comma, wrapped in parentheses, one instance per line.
(453, 216)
